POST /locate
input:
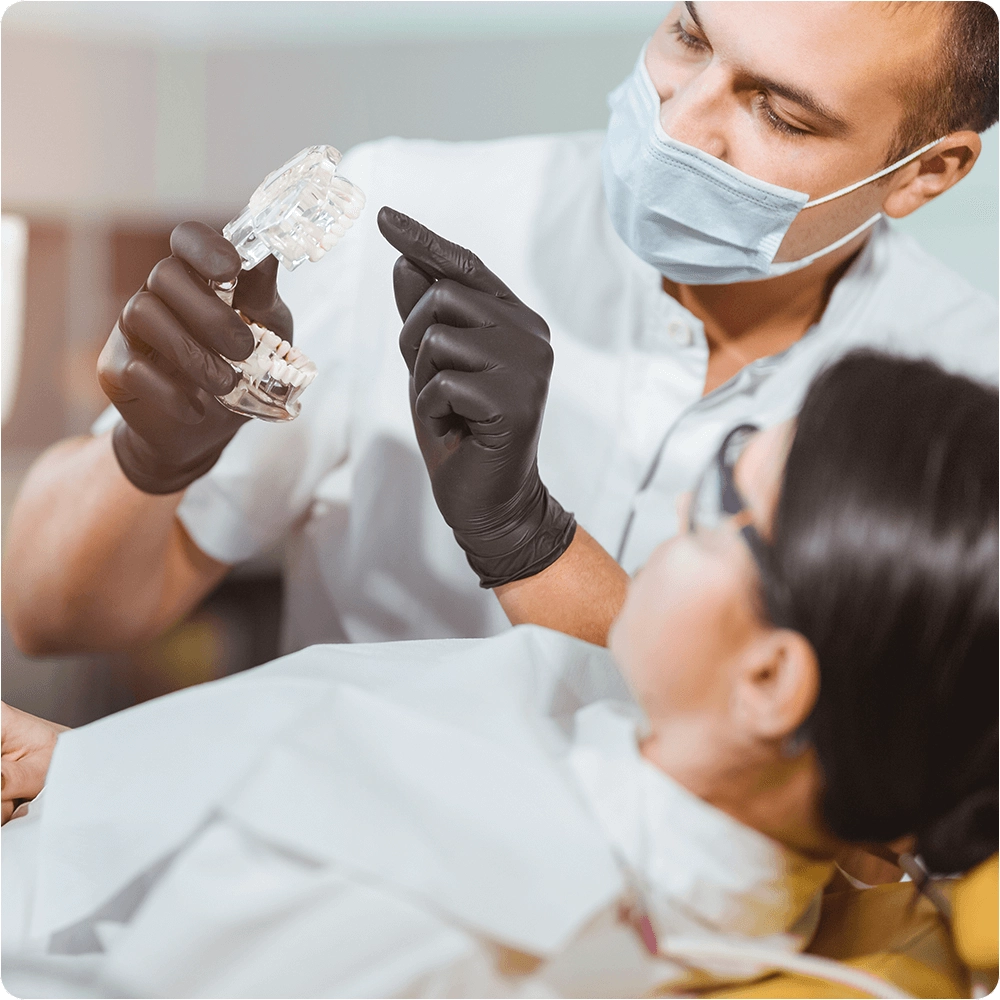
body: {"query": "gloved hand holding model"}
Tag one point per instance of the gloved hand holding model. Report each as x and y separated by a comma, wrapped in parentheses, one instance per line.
(479, 362)
(161, 366)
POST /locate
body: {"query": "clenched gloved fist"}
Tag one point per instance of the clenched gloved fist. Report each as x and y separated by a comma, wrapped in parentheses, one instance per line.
(161, 365)
(479, 362)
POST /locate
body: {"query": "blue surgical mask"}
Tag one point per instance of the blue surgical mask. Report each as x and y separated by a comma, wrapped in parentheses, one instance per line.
(696, 219)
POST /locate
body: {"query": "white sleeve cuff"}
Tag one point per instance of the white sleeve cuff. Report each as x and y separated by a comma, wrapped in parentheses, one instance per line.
(108, 419)
(216, 524)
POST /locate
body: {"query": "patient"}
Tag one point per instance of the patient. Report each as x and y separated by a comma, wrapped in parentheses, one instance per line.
(812, 664)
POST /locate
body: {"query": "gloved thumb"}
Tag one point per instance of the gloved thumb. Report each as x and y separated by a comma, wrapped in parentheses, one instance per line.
(257, 297)
(258, 288)
(408, 285)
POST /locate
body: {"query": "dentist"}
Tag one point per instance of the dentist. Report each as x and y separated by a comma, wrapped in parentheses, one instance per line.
(691, 269)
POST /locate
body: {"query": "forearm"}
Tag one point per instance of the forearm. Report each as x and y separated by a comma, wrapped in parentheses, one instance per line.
(92, 563)
(579, 594)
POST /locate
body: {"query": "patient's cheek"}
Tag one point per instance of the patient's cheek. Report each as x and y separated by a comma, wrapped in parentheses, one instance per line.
(687, 614)
(656, 623)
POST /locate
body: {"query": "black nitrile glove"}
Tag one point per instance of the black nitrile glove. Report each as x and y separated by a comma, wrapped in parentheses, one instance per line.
(479, 362)
(161, 366)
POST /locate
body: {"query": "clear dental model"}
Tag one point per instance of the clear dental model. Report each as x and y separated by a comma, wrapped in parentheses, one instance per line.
(298, 213)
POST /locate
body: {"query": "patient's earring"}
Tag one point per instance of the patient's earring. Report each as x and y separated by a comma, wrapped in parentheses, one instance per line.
(298, 213)
(795, 744)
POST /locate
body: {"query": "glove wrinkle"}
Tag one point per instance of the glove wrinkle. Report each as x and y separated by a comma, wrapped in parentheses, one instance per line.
(146, 472)
(538, 552)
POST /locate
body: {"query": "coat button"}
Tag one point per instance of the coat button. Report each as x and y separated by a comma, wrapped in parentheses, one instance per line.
(680, 333)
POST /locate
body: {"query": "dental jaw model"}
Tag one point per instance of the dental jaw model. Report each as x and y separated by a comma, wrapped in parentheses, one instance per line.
(298, 213)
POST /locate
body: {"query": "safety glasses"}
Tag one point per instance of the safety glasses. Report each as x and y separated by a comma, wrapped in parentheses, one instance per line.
(716, 498)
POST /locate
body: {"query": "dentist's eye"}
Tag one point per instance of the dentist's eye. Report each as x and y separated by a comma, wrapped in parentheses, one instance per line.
(688, 40)
(774, 120)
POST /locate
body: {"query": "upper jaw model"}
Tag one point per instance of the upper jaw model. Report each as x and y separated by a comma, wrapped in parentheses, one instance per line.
(298, 213)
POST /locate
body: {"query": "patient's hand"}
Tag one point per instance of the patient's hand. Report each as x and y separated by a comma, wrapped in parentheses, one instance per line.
(27, 745)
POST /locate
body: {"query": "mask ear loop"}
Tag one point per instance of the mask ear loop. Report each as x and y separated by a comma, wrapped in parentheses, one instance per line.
(874, 177)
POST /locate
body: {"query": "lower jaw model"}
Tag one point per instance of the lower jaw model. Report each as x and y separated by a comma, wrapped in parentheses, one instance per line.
(273, 378)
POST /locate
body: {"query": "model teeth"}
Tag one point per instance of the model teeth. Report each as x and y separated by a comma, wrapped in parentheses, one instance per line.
(276, 359)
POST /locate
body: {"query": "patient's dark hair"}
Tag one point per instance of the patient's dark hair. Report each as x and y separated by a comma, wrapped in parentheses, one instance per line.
(885, 557)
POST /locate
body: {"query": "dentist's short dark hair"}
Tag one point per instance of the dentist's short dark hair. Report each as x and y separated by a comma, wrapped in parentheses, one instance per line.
(885, 539)
(962, 92)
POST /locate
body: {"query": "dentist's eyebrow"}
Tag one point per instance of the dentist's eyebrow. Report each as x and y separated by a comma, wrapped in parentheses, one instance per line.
(829, 119)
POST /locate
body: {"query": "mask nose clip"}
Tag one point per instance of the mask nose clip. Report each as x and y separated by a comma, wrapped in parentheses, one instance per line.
(692, 104)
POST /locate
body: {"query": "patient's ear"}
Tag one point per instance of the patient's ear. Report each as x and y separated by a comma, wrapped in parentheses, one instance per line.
(776, 685)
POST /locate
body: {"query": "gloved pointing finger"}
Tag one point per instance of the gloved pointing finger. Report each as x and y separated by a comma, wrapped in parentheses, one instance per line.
(147, 319)
(214, 258)
(203, 315)
(437, 257)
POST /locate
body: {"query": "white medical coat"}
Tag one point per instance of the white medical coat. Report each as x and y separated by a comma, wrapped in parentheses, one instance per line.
(626, 429)
(415, 819)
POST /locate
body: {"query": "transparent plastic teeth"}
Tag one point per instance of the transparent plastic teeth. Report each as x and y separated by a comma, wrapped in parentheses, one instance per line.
(277, 370)
(298, 213)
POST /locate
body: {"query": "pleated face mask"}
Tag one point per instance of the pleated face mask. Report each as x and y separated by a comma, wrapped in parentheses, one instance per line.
(696, 219)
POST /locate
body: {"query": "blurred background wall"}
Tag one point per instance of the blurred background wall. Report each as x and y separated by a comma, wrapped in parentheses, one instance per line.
(120, 119)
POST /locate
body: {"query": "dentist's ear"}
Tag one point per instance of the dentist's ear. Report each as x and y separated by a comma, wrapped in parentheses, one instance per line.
(777, 684)
(932, 174)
